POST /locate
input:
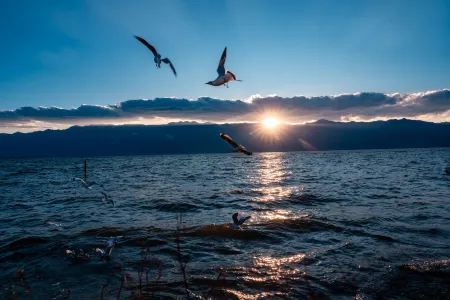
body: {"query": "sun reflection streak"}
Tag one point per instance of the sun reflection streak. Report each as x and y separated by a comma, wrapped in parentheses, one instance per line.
(272, 177)
(272, 168)
(268, 268)
(263, 295)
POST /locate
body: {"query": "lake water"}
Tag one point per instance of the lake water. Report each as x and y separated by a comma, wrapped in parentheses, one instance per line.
(324, 225)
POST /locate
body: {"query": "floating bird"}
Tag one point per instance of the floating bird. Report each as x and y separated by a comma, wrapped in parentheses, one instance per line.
(238, 222)
(236, 146)
(86, 185)
(224, 76)
(111, 243)
(77, 253)
(106, 199)
(157, 58)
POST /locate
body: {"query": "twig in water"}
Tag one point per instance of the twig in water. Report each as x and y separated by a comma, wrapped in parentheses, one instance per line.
(121, 285)
(212, 285)
(180, 258)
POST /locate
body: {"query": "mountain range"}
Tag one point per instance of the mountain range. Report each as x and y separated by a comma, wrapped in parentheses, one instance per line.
(189, 138)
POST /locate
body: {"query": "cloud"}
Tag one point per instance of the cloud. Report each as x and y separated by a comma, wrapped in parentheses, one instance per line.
(357, 106)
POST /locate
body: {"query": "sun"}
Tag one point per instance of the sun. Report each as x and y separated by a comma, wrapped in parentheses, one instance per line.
(270, 122)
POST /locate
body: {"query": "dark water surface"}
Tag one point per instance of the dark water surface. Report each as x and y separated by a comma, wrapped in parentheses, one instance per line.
(325, 225)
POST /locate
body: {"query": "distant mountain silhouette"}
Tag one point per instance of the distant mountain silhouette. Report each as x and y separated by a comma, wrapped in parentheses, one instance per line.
(204, 138)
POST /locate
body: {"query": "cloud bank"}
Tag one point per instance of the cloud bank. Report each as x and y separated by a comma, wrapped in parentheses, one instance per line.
(430, 106)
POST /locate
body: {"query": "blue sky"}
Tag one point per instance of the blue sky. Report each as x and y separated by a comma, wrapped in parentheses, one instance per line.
(68, 53)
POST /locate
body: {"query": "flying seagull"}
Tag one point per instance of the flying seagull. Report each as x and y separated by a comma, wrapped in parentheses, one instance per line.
(86, 185)
(157, 58)
(106, 199)
(236, 146)
(54, 224)
(224, 76)
(238, 222)
(111, 243)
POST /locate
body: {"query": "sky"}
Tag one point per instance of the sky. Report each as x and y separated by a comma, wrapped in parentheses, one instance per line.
(81, 57)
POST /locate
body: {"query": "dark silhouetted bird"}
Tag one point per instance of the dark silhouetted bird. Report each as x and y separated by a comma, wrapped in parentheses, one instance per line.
(236, 146)
(157, 58)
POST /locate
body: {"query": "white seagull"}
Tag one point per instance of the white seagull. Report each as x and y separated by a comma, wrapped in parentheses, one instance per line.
(56, 225)
(106, 199)
(224, 76)
(157, 58)
(111, 243)
(86, 185)
(238, 222)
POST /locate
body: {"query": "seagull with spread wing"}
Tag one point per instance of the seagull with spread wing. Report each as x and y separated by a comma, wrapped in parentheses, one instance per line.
(86, 185)
(236, 146)
(157, 58)
(224, 76)
(238, 222)
(111, 243)
(106, 199)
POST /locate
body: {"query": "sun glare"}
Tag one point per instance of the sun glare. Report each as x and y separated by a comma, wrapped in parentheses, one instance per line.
(270, 122)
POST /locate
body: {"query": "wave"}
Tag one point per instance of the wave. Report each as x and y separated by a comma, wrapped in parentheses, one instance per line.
(177, 207)
(426, 266)
(224, 230)
(109, 231)
(24, 242)
(307, 199)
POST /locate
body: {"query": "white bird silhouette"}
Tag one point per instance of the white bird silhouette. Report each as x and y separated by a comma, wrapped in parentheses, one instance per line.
(87, 186)
(111, 243)
(223, 76)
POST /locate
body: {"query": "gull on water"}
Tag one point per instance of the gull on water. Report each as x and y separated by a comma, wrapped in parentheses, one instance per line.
(224, 76)
(157, 58)
(238, 222)
(111, 243)
(86, 185)
(106, 199)
(236, 146)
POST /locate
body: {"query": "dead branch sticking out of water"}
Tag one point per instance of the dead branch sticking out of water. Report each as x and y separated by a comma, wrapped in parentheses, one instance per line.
(213, 285)
(182, 265)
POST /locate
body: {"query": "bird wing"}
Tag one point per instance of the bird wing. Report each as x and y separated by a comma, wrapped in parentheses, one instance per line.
(229, 140)
(94, 183)
(82, 181)
(167, 61)
(242, 220)
(155, 53)
(221, 67)
(245, 151)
